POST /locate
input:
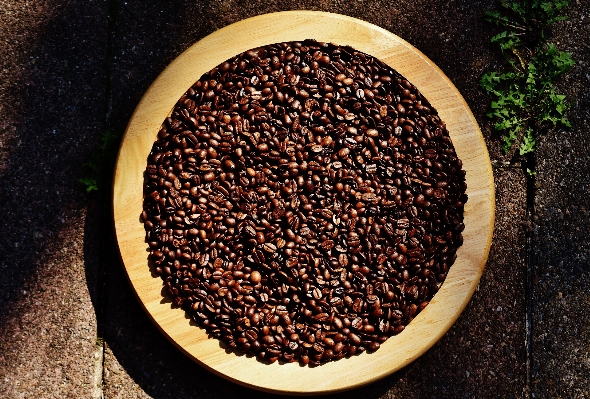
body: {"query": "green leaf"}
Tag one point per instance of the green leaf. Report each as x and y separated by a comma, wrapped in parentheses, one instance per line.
(89, 183)
(509, 141)
(492, 16)
(496, 18)
(528, 142)
(530, 172)
(98, 168)
(489, 81)
(507, 40)
(553, 110)
(516, 8)
(108, 139)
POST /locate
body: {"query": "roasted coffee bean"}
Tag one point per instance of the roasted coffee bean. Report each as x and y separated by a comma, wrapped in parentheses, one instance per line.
(373, 346)
(303, 202)
(343, 259)
(354, 339)
(255, 277)
(317, 293)
(269, 247)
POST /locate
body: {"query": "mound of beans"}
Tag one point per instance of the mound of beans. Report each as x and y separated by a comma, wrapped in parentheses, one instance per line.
(303, 202)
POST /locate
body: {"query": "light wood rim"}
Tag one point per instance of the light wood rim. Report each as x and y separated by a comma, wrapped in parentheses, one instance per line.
(448, 303)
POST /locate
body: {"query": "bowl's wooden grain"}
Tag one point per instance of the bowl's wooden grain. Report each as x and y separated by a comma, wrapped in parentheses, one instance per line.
(447, 304)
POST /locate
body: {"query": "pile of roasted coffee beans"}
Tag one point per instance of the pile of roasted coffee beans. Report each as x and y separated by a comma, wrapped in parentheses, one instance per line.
(303, 202)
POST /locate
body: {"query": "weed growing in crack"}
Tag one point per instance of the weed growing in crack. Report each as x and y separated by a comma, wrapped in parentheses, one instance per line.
(99, 167)
(524, 101)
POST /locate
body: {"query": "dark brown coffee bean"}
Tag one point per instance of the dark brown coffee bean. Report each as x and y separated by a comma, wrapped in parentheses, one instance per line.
(357, 323)
(268, 340)
(355, 339)
(373, 346)
(343, 259)
(317, 293)
(269, 247)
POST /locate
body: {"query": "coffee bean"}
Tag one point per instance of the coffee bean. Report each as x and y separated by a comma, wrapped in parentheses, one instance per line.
(269, 247)
(303, 202)
(355, 339)
(268, 339)
(373, 346)
(255, 277)
(317, 293)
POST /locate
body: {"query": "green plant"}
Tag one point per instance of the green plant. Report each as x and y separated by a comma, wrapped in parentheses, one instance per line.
(524, 102)
(98, 168)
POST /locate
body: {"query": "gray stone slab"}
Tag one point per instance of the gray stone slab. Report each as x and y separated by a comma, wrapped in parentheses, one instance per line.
(52, 107)
(561, 241)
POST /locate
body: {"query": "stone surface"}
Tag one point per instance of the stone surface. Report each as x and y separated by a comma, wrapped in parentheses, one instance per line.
(52, 110)
(561, 247)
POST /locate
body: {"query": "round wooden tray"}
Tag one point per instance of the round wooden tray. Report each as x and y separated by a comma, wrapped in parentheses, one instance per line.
(424, 330)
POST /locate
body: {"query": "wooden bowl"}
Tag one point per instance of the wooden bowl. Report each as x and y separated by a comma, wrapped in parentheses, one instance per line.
(429, 326)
